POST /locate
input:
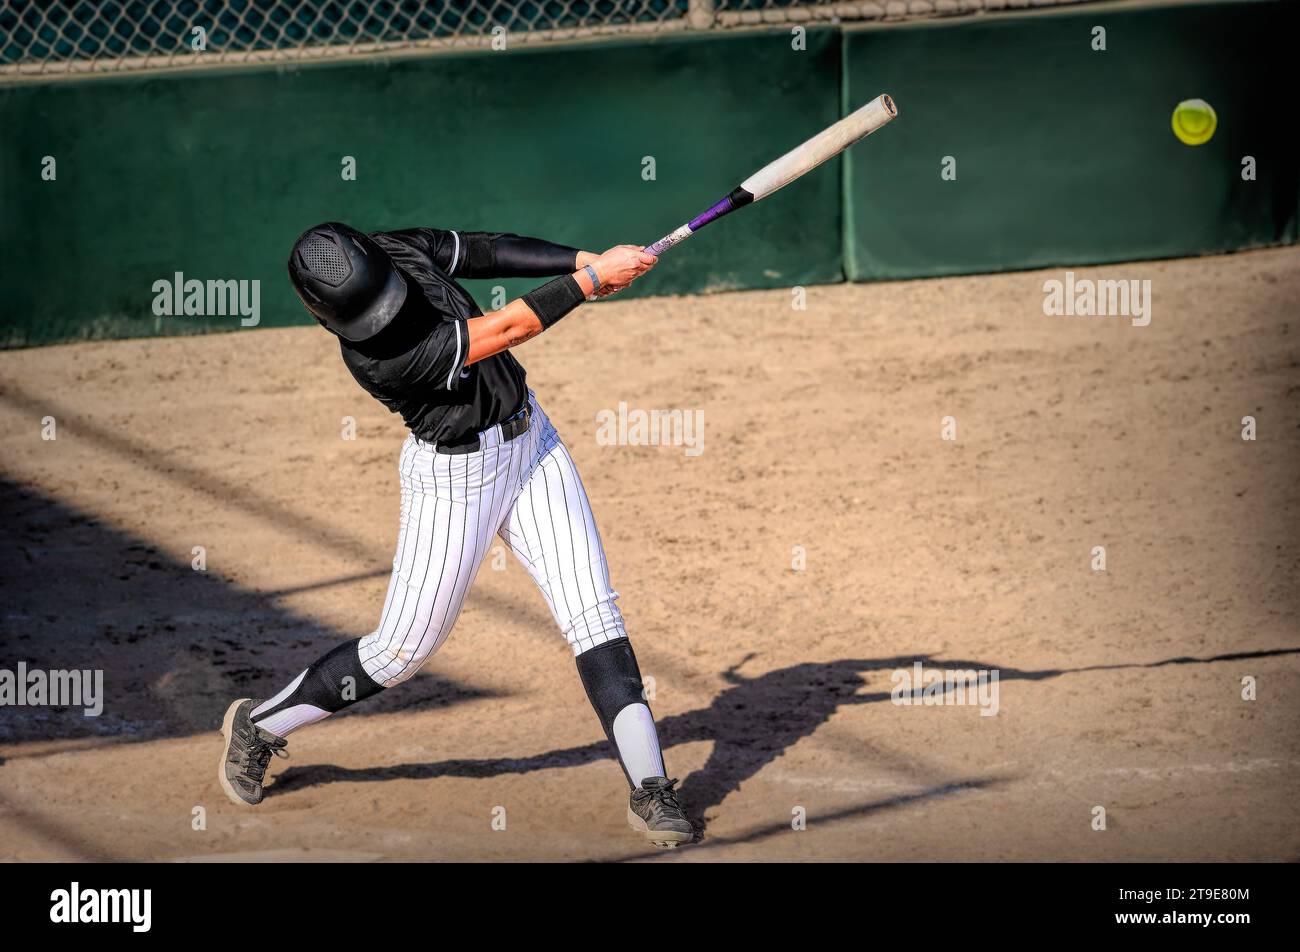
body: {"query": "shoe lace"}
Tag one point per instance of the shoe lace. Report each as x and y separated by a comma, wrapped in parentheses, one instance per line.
(663, 800)
(259, 746)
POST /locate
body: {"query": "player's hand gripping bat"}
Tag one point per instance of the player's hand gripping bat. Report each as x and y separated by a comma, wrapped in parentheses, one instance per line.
(826, 144)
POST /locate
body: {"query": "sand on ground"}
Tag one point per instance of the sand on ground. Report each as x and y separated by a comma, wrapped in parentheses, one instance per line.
(826, 537)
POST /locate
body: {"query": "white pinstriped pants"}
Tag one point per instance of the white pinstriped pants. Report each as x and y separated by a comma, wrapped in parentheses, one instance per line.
(527, 491)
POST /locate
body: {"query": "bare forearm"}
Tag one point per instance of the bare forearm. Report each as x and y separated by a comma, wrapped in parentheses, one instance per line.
(501, 330)
(511, 325)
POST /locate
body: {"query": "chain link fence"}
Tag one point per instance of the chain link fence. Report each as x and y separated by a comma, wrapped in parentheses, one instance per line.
(45, 37)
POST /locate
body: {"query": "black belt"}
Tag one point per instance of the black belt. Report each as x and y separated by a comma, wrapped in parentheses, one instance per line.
(517, 425)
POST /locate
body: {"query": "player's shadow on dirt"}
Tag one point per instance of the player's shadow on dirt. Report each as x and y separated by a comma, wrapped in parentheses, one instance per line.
(175, 645)
(750, 724)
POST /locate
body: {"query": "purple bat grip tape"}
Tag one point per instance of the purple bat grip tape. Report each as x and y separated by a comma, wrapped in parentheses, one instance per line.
(717, 210)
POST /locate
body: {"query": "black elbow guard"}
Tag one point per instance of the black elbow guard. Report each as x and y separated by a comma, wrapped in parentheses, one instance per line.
(554, 299)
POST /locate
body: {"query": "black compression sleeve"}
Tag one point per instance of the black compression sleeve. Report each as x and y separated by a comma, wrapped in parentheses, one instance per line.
(491, 255)
(554, 299)
(332, 683)
(612, 678)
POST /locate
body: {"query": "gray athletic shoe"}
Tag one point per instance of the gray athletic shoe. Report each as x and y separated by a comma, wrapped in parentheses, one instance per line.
(248, 751)
(653, 809)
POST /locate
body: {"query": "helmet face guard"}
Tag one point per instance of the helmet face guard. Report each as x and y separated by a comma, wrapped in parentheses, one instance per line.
(347, 282)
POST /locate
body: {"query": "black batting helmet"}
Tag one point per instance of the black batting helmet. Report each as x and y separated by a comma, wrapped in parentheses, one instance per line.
(346, 280)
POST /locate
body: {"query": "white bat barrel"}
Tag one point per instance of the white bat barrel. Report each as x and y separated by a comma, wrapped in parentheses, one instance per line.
(827, 144)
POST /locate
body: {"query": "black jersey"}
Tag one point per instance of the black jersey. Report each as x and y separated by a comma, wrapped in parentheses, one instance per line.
(416, 365)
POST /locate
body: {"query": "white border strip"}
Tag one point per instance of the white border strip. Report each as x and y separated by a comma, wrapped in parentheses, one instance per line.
(455, 366)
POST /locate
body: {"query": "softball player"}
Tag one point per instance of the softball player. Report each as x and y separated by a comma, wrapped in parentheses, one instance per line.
(482, 460)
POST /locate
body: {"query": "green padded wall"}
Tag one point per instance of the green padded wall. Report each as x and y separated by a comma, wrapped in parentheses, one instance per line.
(1065, 155)
(215, 174)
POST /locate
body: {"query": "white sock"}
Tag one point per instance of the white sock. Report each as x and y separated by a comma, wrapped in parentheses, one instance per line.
(283, 723)
(290, 719)
(638, 743)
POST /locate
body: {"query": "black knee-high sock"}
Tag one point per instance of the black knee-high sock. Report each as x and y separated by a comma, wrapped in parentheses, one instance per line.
(329, 684)
(612, 678)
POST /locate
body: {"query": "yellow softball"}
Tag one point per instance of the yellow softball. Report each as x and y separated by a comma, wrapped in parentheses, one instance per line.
(1194, 121)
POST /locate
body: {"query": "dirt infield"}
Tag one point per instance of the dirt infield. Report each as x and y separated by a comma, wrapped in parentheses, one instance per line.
(1119, 688)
